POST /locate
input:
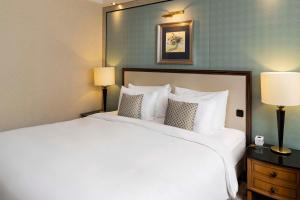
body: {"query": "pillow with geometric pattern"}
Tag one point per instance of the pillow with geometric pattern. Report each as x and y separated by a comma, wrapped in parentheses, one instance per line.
(148, 104)
(221, 98)
(205, 113)
(131, 106)
(181, 114)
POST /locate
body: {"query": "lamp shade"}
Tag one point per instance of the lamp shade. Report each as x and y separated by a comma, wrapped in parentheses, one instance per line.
(104, 76)
(280, 88)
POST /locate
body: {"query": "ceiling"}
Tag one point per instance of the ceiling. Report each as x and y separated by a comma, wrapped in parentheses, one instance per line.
(107, 2)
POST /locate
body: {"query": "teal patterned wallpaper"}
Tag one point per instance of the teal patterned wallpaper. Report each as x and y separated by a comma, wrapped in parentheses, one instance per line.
(256, 35)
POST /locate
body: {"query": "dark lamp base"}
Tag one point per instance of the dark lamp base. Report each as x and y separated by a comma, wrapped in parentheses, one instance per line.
(281, 150)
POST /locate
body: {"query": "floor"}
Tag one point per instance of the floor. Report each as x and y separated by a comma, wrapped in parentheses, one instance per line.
(242, 194)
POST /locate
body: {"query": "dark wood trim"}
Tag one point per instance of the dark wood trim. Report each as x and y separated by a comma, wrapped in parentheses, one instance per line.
(249, 107)
(190, 71)
(247, 74)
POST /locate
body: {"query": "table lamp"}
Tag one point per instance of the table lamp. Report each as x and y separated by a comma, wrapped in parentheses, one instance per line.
(104, 77)
(280, 89)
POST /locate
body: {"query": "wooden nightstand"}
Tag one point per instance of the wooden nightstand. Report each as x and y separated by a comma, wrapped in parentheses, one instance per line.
(82, 115)
(273, 175)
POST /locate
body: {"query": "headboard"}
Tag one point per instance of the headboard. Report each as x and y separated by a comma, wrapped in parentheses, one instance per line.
(237, 82)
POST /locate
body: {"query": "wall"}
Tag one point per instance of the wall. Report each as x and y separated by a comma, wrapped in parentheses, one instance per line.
(47, 51)
(256, 35)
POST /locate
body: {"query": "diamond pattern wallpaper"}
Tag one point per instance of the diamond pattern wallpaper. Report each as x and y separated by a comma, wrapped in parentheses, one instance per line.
(256, 35)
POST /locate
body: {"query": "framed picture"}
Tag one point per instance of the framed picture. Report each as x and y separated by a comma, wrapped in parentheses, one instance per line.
(175, 43)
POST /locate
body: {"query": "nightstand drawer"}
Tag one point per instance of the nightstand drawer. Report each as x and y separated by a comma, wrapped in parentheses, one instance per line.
(275, 175)
(273, 190)
(272, 175)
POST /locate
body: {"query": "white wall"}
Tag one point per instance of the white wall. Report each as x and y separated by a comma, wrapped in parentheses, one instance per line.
(47, 51)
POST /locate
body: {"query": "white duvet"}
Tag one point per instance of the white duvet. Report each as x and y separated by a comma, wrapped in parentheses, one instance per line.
(106, 157)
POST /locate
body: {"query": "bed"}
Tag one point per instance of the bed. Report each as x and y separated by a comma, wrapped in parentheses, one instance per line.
(106, 156)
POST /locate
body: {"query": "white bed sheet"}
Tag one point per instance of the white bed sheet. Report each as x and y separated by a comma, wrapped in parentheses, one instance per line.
(233, 139)
(112, 158)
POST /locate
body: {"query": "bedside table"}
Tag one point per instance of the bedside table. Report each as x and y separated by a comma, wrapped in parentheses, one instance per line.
(82, 115)
(273, 175)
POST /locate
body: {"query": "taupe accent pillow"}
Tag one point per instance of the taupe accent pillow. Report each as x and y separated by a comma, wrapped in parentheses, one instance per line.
(181, 114)
(131, 106)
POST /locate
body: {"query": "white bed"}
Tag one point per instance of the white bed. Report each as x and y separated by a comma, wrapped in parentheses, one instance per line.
(105, 156)
(234, 140)
(110, 157)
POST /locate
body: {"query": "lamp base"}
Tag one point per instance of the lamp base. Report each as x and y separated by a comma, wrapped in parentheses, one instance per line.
(281, 150)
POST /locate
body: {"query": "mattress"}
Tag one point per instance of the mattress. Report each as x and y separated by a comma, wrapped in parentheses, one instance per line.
(233, 139)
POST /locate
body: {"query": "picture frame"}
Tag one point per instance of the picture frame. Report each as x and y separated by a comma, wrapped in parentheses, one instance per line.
(175, 43)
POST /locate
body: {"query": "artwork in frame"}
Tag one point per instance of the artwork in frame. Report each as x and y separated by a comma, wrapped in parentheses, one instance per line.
(175, 43)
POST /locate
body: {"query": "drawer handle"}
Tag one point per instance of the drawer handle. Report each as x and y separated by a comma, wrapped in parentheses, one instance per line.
(273, 174)
(273, 190)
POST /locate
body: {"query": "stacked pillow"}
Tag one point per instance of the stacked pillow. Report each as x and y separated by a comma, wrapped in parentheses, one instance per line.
(187, 109)
(162, 98)
(181, 114)
(154, 102)
(131, 106)
(217, 116)
(205, 110)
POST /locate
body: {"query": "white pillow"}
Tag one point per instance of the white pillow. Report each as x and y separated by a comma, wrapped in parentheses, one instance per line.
(204, 116)
(220, 97)
(162, 99)
(149, 101)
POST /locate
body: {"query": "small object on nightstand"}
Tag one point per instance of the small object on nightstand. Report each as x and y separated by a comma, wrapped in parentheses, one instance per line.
(82, 115)
(259, 140)
(273, 175)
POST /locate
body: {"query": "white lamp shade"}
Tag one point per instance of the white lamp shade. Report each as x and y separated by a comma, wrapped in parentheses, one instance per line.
(280, 88)
(104, 76)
